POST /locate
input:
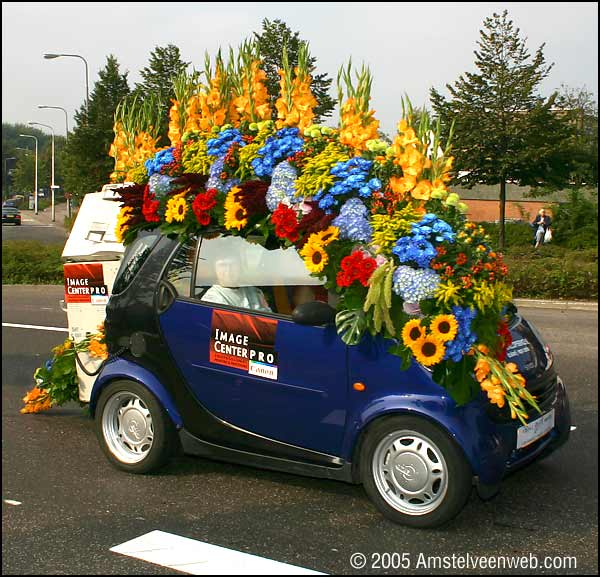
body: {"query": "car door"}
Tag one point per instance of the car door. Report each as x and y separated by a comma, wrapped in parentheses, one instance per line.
(254, 368)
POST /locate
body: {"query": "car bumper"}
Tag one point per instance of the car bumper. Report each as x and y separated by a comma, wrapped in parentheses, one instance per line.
(506, 458)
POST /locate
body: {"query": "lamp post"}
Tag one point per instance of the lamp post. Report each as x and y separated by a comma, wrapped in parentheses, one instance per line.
(48, 56)
(35, 183)
(66, 139)
(52, 172)
(66, 117)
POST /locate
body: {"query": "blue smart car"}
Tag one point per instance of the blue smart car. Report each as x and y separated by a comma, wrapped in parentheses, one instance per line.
(229, 350)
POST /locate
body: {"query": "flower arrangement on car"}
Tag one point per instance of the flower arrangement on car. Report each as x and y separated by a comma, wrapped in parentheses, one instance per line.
(56, 381)
(375, 220)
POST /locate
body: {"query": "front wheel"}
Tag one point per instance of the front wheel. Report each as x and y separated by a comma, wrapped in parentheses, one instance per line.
(134, 430)
(413, 472)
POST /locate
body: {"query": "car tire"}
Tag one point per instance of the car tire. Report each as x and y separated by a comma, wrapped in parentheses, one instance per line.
(134, 430)
(414, 472)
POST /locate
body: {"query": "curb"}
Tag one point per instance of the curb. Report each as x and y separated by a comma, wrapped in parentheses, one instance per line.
(555, 304)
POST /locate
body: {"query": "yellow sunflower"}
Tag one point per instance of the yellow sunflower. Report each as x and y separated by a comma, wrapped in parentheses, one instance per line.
(429, 350)
(315, 256)
(235, 214)
(325, 237)
(176, 209)
(412, 332)
(444, 327)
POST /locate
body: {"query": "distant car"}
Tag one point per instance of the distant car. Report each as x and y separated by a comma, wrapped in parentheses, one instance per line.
(11, 214)
(9, 203)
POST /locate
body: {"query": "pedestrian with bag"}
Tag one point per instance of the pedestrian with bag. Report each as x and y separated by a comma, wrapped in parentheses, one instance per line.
(541, 225)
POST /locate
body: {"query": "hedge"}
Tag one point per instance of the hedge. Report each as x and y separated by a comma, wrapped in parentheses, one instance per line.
(31, 262)
(551, 272)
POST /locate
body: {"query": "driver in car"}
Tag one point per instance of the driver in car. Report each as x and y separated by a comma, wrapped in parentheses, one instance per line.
(227, 292)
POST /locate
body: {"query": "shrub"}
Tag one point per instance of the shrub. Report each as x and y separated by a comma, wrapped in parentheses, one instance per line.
(575, 223)
(553, 272)
(515, 233)
(31, 262)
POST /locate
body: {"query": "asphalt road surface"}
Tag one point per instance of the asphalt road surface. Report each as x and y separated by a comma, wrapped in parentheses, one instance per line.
(74, 506)
(38, 227)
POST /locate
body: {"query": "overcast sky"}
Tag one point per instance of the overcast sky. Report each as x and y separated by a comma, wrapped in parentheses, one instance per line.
(408, 46)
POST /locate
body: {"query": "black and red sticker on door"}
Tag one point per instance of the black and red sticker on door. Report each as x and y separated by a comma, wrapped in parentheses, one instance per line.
(244, 342)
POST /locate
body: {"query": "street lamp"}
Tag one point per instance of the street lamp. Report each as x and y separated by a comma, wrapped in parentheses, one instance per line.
(87, 89)
(66, 139)
(66, 117)
(52, 183)
(35, 183)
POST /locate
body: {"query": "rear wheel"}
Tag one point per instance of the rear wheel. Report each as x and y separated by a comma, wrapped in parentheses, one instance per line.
(134, 430)
(414, 473)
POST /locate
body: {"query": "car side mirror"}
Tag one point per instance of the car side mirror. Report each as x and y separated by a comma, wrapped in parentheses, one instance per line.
(315, 313)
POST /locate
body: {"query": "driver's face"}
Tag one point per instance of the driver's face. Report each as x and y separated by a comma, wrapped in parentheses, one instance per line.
(228, 272)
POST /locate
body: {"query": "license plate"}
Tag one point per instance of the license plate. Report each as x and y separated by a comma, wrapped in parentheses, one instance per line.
(530, 433)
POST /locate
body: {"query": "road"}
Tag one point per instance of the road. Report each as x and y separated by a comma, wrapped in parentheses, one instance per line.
(75, 506)
(38, 227)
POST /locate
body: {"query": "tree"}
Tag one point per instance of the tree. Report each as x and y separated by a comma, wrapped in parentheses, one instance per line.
(503, 130)
(581, 109)
(271, 41)
(165, 64)
(87, 164)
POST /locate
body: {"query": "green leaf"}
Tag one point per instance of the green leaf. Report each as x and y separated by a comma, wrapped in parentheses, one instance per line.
(351, 325)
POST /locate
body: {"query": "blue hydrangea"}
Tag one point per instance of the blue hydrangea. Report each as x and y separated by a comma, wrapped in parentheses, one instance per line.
(161, 158)
(214, 179)
(160, 184)
(351, 176)
(283, 144)
(418, 247)
(283, 185)
(465, 338)
(219, 145)
(413, 285)
(430, 225)
(353, 221)
(415, 249)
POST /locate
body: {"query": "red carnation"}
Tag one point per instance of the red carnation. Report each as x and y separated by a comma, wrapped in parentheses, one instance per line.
(202, 204)
(286, 222)
(356, 267)
(150, 206)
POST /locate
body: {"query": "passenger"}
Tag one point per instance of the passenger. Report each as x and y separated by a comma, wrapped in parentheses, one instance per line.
(228, 293)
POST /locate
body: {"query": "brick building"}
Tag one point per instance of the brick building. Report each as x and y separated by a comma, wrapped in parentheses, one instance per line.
(484, 205)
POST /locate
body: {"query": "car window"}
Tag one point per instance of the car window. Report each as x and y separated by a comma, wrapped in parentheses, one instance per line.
(234, 272)
(179, 271)
(133, 259)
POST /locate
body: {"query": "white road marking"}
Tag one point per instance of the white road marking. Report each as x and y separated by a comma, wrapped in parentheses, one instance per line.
(198, 558)
(11, 502)
(16, 326)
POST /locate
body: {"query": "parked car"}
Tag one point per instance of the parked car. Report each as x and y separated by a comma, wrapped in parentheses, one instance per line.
(11, 214)
(208, 349)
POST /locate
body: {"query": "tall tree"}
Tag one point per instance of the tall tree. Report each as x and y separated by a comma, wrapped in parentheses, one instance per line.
(86, 162)
(503, 130)
(271, 41)
(580, 107)
(164, 66)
